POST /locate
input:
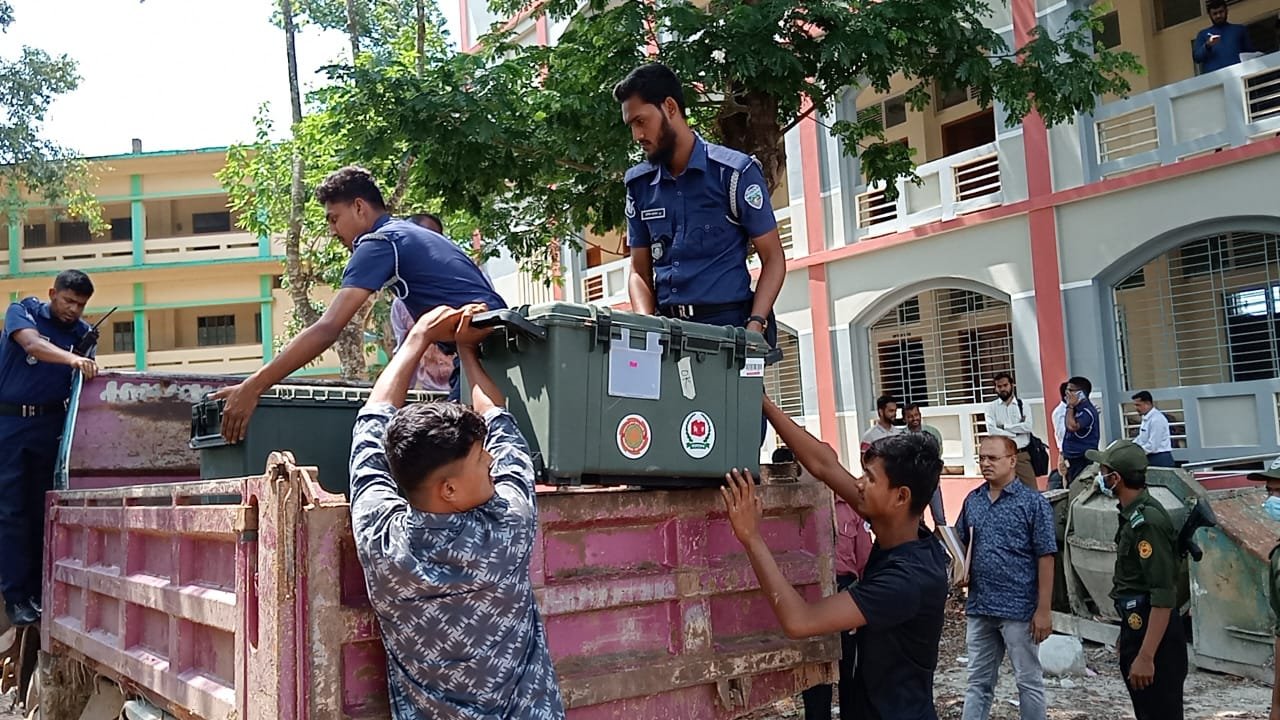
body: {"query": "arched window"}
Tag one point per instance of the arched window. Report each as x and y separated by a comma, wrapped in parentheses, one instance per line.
(942, 347)
(1205, 312)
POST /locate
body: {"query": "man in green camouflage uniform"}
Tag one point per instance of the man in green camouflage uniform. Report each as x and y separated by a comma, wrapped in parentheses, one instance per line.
(1271, 506)
(1152, 649)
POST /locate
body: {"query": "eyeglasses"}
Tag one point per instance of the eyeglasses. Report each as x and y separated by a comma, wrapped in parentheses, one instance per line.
(992, 458)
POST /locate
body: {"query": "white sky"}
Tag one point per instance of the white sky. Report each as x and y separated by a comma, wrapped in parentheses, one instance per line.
(179, 74)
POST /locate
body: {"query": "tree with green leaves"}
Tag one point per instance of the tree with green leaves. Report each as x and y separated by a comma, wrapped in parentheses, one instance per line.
(34, 168)
(527, 142)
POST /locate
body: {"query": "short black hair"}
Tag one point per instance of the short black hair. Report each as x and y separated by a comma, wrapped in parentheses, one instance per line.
(1062, 389)
(885, 400)
(1214, 4)
(423, 437)
(1144, 396)
(74, 280)
(654, 83)
(1003, 375)
(419, 218)
(1082, 383)
(349, 184)
(910, 460)
(913, 405)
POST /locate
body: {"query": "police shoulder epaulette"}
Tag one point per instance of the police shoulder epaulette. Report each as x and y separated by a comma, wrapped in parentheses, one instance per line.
(637, 171)
(1137, 519)
(370, 236)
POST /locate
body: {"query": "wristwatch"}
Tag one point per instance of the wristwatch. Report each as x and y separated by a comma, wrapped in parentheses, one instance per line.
(764, 322)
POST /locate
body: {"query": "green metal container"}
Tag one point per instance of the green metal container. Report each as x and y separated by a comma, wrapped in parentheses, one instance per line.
(615, 398)
(1233, 618)
(312, 422)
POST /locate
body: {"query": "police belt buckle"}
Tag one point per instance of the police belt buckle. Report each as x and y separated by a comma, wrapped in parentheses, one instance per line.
(30, 411)
(684, 312)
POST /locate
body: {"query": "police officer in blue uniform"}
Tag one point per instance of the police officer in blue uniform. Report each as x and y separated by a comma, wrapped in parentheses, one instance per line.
(693, 210)
(36, 363)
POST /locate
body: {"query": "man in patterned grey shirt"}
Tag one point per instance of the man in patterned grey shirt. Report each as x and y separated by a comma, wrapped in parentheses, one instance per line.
(447, 564)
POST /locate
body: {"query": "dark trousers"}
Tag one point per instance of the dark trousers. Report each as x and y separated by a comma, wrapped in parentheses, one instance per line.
(455, 379)
(738, 318)
(1160, 459)
(30, 448)
(1162, 699)
(1075, 466)
(817, 699)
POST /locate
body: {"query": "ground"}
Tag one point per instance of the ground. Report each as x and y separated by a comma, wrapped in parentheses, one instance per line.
(1099, 696)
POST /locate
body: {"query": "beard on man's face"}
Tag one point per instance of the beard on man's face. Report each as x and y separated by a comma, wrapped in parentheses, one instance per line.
(666, 145)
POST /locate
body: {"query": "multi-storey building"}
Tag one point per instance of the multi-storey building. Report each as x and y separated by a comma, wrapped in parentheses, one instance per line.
(193, 292)
(1138, 246)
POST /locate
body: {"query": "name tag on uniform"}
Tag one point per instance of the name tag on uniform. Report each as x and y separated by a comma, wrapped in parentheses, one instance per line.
(653, 214)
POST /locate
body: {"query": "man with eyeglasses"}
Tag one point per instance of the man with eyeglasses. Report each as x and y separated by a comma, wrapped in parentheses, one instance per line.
(1010, 581)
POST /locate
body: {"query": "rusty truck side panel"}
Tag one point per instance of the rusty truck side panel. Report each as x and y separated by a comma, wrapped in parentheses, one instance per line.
(244, 599)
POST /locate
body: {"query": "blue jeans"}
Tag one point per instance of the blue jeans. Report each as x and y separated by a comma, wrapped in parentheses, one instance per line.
(988, 638)
(1160, 459)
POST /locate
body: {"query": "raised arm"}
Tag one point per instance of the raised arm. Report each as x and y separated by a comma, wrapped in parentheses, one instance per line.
(485, 394)
(816, 456)
(241, 400)
(393, 384)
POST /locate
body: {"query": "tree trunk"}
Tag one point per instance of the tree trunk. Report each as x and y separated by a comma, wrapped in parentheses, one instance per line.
(350, 345)
(748, 122)
(420, 6)
(353, 29)
(300, 282)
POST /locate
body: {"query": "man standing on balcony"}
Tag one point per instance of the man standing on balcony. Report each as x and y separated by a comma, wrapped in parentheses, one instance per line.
(1220, 46)
(42, 343)
(425, 269)
(1007, 417)
(693, 211)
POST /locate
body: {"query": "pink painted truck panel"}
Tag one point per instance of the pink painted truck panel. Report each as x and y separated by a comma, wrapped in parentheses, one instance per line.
(133, 428)
(244, 599)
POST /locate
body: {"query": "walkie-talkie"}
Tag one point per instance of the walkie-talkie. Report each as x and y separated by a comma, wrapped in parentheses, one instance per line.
(90, 338)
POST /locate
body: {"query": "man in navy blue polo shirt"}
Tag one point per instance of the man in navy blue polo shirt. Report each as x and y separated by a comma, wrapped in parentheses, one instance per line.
(693, 211)
(1083, 433)
(1011, 529)
(421, 267)
(36, 363)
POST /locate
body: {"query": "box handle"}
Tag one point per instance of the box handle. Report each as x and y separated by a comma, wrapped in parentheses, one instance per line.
(510, 320)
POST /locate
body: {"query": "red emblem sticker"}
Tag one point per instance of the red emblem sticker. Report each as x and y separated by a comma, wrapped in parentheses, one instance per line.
(634, 437)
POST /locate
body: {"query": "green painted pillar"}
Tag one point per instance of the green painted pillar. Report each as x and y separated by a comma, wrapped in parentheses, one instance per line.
(138, 220)
(15, 246)
(268, 332)
(139, 328)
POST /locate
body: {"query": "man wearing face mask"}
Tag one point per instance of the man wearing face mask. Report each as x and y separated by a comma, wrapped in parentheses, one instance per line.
(1271, 506)
(1152, 649)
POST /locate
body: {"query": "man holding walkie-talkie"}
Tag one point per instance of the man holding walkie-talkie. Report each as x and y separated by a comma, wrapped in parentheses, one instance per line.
(43, 343)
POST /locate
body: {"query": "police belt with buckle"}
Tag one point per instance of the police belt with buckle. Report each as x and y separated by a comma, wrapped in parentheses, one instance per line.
(10, 410)
(687, 312)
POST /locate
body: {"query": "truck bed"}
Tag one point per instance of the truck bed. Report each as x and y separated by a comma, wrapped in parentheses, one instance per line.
(244, 599)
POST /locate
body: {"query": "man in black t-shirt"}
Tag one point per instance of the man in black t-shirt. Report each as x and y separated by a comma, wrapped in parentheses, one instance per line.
(897, 606)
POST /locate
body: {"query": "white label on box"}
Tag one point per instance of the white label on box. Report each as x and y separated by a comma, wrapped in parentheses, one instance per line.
(753, 368)
(685, 367)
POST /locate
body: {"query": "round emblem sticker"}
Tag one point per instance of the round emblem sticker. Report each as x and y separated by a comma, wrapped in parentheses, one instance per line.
(697, 435)
(1135, 621)
(1144, 549)
(634, 436)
